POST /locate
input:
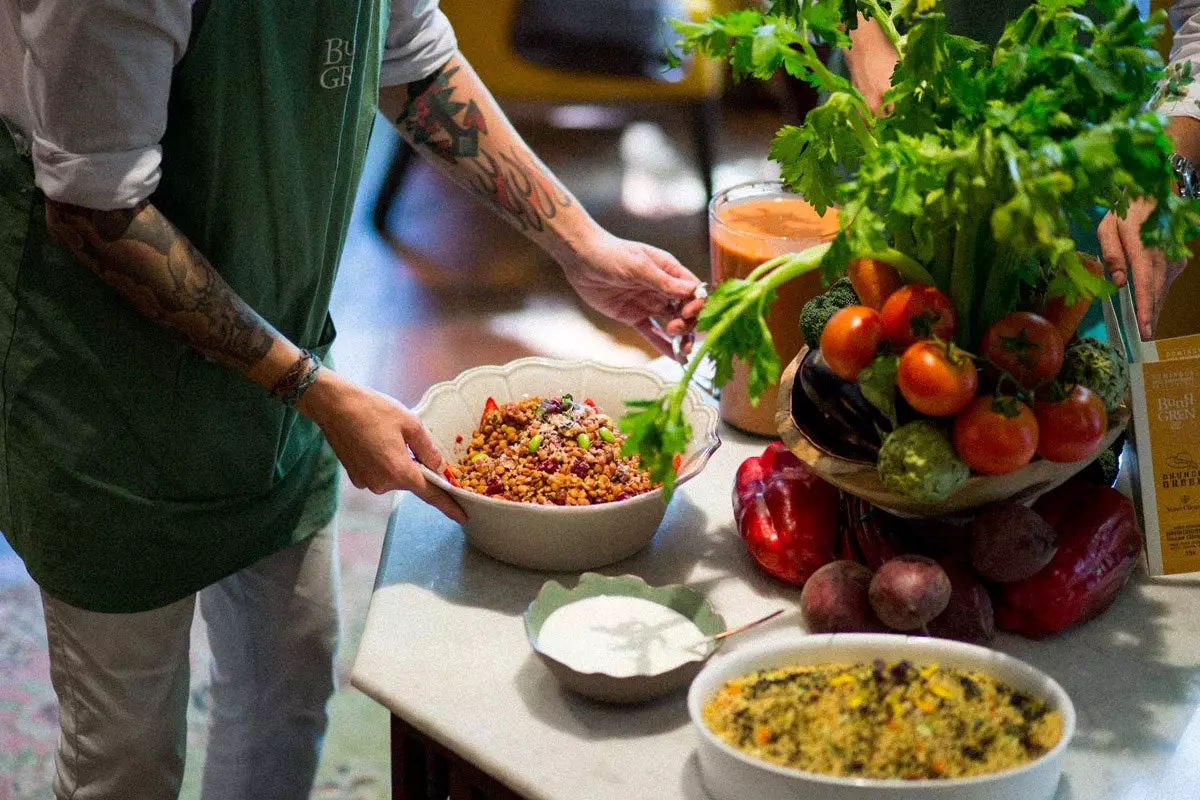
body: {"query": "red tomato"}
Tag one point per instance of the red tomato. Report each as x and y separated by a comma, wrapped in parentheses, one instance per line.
(1026, 346)
(1073, 428)
(851, 340)
(996, 435)
(936, 378)
(915, 312)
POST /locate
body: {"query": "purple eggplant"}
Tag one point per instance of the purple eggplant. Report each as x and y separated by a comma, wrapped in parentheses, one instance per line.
(857, 420)
(828, 434)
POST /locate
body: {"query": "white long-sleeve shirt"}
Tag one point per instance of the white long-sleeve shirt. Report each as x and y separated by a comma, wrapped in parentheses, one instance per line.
(86, 84)
(1185, 48)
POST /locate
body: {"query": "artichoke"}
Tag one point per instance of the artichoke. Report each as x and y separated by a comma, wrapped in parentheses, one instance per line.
(1098, 366)
(918, 461)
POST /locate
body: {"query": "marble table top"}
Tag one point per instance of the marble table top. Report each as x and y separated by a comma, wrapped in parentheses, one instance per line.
(444, 649)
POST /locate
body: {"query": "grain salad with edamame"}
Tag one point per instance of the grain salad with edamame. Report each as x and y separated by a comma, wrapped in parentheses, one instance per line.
(549, 451)
(883, 720)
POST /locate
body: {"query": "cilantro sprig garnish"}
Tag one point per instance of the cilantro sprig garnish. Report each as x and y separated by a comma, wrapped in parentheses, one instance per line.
(733, 319)
(972, 181)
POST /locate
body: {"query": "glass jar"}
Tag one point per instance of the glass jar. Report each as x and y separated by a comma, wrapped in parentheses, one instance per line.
(748, 224)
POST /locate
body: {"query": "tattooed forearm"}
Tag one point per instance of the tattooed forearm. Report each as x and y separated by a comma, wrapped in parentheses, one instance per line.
(498, 166)
(518, 190)
(147, 260)
(430, 120)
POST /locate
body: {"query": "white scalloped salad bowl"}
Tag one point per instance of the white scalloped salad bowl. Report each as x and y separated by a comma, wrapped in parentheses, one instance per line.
(558, 538)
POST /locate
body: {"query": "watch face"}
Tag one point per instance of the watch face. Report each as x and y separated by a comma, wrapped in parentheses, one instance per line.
(1185, 172)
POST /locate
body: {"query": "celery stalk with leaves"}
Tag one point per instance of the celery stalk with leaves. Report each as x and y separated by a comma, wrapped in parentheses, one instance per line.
(971, 182)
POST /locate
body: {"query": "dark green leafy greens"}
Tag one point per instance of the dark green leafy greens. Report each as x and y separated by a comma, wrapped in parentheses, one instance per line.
(972, 181)
(877, 382)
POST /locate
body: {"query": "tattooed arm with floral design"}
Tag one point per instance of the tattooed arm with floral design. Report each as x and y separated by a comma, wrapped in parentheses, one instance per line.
(451, 118)
(158, 270)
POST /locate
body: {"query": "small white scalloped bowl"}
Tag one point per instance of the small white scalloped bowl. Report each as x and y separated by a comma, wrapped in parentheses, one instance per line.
(558, 538)
(729, 774)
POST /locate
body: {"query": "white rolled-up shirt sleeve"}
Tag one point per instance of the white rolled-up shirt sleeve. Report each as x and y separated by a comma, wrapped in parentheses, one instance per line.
(419, 41)
(1185, 48)
(96, 77)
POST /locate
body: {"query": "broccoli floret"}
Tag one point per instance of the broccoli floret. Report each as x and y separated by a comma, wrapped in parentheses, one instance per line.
(918, 461)
(1109, 463)
(816, 312)
(1104, 468)
(1098, 366)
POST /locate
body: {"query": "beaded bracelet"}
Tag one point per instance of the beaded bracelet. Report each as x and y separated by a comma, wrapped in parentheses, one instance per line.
(295, 382)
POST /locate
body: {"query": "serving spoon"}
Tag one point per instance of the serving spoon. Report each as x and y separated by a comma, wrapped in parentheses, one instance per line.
(725, 634)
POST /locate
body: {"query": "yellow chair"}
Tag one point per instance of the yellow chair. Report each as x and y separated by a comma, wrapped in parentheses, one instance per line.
(485, 36)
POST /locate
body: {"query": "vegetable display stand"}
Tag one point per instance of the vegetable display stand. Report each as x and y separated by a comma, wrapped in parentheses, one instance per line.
(800, 425)
(950, 336)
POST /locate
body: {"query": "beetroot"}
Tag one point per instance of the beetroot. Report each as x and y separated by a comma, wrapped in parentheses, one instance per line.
(908, 592)
(1011, 543)
(835, 600)
(968, 616)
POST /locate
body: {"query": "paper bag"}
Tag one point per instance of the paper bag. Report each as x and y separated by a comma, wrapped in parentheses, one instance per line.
(1165, 387)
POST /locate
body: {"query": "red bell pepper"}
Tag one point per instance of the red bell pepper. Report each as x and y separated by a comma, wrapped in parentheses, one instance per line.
(489, 407)
(1098, 548)
(786, 514)
(865, 533)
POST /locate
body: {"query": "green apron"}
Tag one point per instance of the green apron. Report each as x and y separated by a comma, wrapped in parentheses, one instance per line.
(135, 472)
(982, 21)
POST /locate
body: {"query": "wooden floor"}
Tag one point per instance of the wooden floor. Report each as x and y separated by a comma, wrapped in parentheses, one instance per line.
(460, 288)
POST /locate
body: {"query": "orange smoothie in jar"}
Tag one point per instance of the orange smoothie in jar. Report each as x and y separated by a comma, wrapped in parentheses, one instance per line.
(749, 224)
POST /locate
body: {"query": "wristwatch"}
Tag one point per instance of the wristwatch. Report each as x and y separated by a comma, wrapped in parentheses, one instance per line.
(1189, 180)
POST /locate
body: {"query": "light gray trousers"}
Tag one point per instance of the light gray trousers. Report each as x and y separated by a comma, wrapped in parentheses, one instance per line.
(122, 682)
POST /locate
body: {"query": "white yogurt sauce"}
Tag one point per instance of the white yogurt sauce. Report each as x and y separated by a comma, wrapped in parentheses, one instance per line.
(621, 636)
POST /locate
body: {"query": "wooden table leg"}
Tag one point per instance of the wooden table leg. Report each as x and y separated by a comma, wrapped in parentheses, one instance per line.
(424, 770)
(408, 763)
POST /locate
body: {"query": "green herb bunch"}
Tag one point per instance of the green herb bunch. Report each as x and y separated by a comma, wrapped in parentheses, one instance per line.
(970, 181)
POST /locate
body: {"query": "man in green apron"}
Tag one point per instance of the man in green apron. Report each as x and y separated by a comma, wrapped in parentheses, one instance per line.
(175, 183)
(872, 58)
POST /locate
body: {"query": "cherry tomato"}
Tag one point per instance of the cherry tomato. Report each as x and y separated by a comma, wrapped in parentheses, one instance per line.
(915, 312)
(996, 435)
(936, 378)
(1026, 346)
(851, 340)
(1072, 428)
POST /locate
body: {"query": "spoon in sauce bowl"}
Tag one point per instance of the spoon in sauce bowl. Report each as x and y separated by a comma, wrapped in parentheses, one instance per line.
(725, 634)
